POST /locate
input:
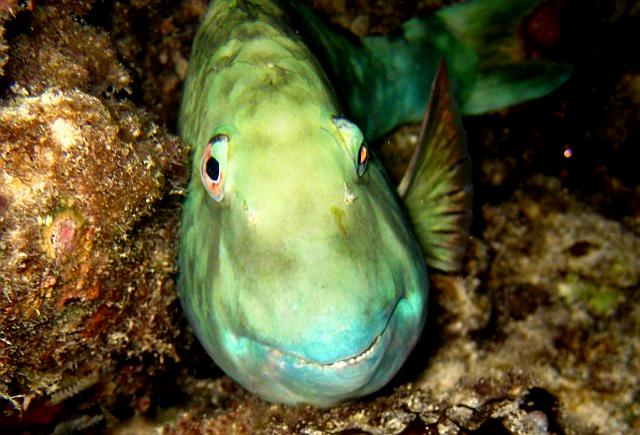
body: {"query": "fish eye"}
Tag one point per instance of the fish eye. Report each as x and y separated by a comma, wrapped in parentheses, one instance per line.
(354, 141)
(212, 166)
(363, 159)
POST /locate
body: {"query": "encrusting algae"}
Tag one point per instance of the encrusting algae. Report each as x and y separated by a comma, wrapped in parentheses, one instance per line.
(87, 278)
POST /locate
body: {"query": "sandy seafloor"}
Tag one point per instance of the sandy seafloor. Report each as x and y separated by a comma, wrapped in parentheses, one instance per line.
(539, 333)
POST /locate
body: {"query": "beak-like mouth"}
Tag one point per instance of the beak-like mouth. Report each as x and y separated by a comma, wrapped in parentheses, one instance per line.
(336, 365)
(283, 376)
(365, 357)
(356, 359)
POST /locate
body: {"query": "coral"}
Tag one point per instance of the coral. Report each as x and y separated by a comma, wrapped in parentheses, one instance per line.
(88, 223)
(8, 10)
(224, 408)
(557, 281)
(88, 220)
(155, 42)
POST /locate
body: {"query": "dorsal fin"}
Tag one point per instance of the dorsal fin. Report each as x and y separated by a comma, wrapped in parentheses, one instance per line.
(436, 188)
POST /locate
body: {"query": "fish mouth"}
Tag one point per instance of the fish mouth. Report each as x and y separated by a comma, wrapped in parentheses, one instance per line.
(336, 365)
(365, 357)
(340, 364)
(283, 376)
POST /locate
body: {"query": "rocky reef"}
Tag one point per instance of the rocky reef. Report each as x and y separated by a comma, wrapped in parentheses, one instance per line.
(540, 333)
(89, 210)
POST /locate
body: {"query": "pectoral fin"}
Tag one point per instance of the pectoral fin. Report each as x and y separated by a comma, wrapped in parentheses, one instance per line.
(436, 188)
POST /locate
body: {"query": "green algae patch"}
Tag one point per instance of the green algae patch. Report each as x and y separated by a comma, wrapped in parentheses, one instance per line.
(601, 301)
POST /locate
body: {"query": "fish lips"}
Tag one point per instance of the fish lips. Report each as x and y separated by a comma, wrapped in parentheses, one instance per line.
(287, 378)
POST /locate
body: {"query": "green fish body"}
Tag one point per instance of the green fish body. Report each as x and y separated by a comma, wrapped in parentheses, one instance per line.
(302, 273)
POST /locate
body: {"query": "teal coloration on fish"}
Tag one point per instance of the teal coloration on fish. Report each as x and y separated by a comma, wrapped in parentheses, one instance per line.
(382, 80)
(303, 272)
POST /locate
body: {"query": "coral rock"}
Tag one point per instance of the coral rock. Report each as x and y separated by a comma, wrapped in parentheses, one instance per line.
(85, 278)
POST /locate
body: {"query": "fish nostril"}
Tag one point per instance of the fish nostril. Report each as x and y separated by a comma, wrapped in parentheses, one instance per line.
(251, 216)
(349, 196)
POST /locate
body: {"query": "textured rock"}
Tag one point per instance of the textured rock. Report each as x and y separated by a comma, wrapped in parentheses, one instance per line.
(64, 53)
(555, 287)
(8, 10)
(89, 191)
(86, 279)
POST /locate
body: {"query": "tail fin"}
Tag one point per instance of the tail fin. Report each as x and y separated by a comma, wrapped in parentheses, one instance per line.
(384, 80)
(502, 76)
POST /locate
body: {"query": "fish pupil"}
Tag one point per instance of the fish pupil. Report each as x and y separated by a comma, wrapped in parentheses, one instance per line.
(213, 169)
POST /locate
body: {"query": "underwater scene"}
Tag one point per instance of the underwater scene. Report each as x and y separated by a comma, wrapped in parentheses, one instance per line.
(319, 217)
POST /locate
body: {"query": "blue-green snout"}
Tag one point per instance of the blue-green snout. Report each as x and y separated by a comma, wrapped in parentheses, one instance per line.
(309, 286)
(327, 297)
(340, 320)
(330, 305)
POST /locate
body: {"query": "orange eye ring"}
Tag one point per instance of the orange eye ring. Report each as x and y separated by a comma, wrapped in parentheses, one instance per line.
(363, 159)
(212, 174)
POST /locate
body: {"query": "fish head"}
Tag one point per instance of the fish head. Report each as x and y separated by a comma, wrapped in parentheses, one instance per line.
(299, 271)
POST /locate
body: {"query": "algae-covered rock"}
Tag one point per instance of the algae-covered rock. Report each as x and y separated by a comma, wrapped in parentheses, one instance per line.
(64, 53)
(89, 212)
(153, 39)
(8, 10)
(561, 287)
(86, 277)
(585, 270)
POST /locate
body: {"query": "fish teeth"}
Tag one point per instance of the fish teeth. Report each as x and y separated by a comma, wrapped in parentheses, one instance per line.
(343, 363)
(353, 360)
(337, 365)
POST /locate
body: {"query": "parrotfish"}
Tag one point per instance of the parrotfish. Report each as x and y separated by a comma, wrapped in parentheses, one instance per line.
(303, 270)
